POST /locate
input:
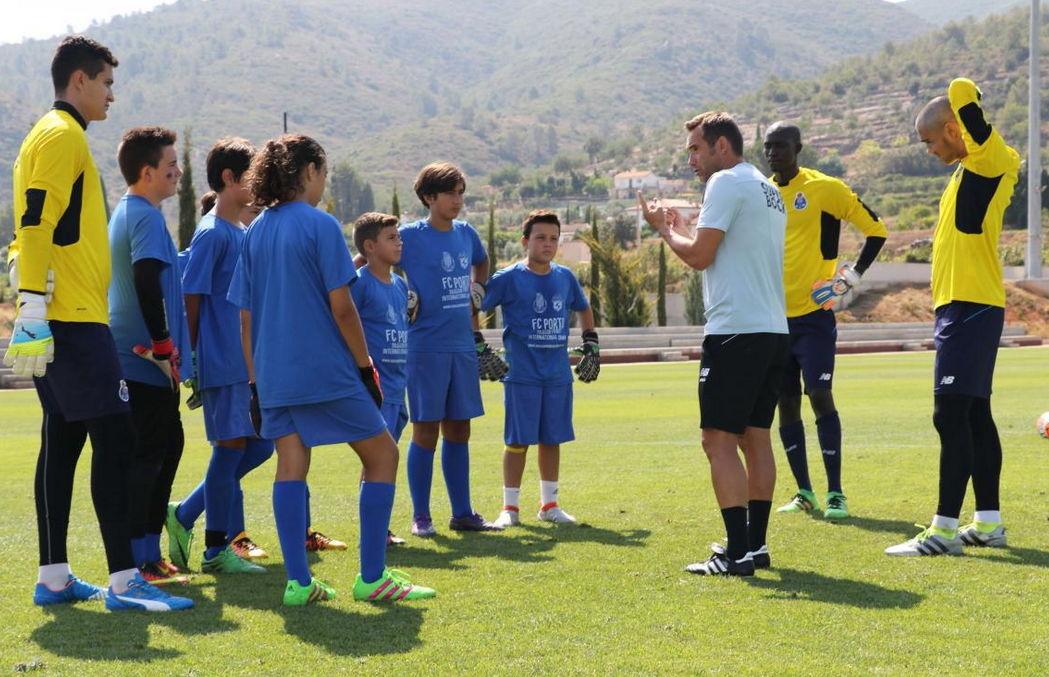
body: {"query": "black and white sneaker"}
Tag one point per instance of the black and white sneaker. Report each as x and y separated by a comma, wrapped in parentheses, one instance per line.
(760, 556)
(721, 565)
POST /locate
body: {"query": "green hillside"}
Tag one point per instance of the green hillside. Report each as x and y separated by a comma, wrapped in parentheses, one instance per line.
(392, 85)
(941, 12)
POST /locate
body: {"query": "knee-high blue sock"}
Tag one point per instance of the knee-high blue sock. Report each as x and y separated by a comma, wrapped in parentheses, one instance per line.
(455, 461)
(138, 550)
(420, 478)
(289, 502)
(828, 429)
(376, 504)
(219, 484)
(309, 519)
(256, 452)
(151, 547)
(793, 438)
(236, 513)
(191, 507)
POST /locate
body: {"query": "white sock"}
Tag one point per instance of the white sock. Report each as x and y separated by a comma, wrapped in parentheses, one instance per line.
(55, 576)
(988, 516)
(547, 492)
(120, 580)
(511, 497)
(948, 523)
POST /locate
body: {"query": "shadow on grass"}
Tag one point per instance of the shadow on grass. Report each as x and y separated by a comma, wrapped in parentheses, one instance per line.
(74, 632)
(345, 633)
(1020, 556)
(902, 528)
(812, 587)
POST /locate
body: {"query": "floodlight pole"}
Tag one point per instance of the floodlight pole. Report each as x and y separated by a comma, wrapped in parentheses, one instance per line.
(285, 122)
(1034, 147)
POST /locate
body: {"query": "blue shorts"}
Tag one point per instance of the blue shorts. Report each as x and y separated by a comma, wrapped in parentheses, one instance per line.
(85, 380)
(444, 386)
(537, 414)
(349, 419)
(396, 417)
(813, 339)
(227, 414)
(967, 337)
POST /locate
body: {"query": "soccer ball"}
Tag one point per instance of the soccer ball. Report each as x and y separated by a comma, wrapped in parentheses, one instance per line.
(1042, 426)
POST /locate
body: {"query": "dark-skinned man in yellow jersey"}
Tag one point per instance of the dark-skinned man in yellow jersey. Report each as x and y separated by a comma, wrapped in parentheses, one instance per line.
(969, 298)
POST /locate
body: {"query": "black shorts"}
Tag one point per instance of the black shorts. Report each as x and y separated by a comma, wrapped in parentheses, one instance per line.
(85, 380)
(966, 337)
(739, 380)
(813, 340)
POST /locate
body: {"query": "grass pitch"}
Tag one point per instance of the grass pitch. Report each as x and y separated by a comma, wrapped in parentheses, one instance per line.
(608, 597)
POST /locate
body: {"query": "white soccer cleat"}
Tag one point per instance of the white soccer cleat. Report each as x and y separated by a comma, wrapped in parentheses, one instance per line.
(508, 518)
(971, 535)
(927, 543)
(556, 515)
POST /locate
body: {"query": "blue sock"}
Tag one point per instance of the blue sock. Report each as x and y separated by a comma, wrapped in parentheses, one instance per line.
(191, 508)
(151, 547)
(256, 452)
(828, 429)
(455, 461)
(236, 514)
(793, 438)
(138, 550)
(289, 502)
(376, 504)
(219, 484)
(309, 519)
(420, 478)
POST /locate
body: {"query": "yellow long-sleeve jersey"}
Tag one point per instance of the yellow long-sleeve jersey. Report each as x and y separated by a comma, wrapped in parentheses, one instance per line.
(60, 219)
(965, 262)
(816, 206)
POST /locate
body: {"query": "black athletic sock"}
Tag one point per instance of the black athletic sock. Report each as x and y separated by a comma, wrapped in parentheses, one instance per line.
(987, 456)
(736, 529)
(951, 418)
(793, 438)
(828, 428)
(758, 523)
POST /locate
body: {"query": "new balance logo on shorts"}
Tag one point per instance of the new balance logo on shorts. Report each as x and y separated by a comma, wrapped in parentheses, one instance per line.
(946, 380)
(703, 374)
(824, 377)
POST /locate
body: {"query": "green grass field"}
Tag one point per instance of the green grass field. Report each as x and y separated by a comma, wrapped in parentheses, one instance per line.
(608, 597)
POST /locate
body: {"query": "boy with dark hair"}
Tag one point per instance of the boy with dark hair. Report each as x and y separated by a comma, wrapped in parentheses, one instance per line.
(445, 263)
(61, 336)
(145, 308)
(222, 375)
(537, 296)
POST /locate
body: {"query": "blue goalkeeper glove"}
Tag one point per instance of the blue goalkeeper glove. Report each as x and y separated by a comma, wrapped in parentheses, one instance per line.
(825, 293)
(32, 347)
(589, 365)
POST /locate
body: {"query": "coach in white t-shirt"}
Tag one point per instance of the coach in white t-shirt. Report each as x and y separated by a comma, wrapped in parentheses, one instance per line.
(738, 245)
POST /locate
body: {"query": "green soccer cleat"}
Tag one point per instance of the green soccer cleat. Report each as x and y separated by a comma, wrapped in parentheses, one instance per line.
(837, 507)
(229, 562)
(803, 501)
(393, 586)
(301, 595)
(180, 539)
(984, 534)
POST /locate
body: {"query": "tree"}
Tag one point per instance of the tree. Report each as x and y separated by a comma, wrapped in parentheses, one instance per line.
(488, 320)
(694, 298)
(395, 204)
(661, 287)
(352, 194)
(622, 293)
(595, 271)
(1016, 213)
(594, 145)
(187, 198)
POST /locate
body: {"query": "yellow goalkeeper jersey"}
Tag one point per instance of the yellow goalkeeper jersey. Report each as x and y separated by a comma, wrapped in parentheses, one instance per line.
(816, 206)
(60, 218)
(965, 262)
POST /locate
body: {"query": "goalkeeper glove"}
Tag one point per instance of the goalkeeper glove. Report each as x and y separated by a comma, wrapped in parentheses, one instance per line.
(193, 401)
(370, 376)
(589, 365)
(825, 293)
(413, 305)
(12, 280)
(32, 347)
(165, 355)
(490, 366)
(477, 292)
(254, 410)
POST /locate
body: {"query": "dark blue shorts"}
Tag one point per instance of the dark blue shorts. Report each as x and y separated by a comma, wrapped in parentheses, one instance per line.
(537, 414)
(396, 416)
(967, 337)
(813, 338)
(85, 380)
(227, 412)
(444, 386)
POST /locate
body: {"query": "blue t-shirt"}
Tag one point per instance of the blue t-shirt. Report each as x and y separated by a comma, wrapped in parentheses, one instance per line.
(535, 317)
(208, 270)
(137, 231)
(384, 314)
(438, 265)
(293, 256)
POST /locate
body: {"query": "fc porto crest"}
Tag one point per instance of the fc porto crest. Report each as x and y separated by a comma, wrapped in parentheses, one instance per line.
(539, 305)
(391, 316)
(122, 392)
(447, 262)
(800, 202)
(464, 260)
(558, 302)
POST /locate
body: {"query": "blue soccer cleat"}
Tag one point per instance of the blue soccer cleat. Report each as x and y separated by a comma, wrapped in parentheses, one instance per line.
(141, 596)
(75, 590)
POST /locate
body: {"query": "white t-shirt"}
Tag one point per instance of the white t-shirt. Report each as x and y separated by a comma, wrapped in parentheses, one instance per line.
(743, 287)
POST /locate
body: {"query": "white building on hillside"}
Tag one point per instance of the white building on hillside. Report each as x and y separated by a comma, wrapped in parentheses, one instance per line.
(626, 184)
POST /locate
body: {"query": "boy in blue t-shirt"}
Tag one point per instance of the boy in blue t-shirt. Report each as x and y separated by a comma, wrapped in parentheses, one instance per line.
(536, 296)
(145, 309)
(221, 374)
(445, 262)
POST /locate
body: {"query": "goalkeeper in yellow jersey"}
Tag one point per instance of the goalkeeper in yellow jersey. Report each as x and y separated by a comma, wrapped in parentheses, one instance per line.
(816, 206)
(969, 298)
